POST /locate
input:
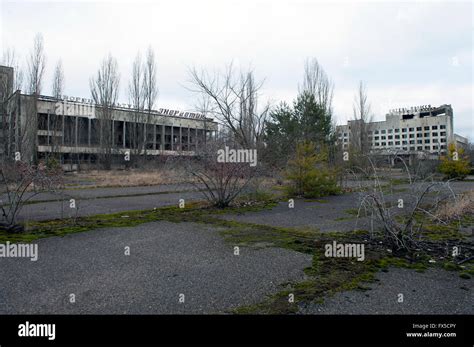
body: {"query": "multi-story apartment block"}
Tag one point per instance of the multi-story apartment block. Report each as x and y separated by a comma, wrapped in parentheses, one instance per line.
(415, 130)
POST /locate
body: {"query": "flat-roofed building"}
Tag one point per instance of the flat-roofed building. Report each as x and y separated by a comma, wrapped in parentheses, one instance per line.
(75, 129)
(408, 131)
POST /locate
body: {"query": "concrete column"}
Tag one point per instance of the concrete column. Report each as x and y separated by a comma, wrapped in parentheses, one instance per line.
(162, 146)
(180, 138)
(124, 126)
(196, 137)
(145, 129)
(62, 130)
(89, 131)
(76, 130)
(47, 137)
(113, 133)
(154, 136)
(172, 139)
(189, 139)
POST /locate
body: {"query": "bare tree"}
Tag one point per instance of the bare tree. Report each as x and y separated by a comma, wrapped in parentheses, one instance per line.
(6, 89)
(149, 80)
(55, 120)
(253, 123)
(204, 106)
(36, 67)
(10, 58)
(359, 136)
(136, 95)
(233, 100)
(58, 81)
(150, 87)
(104, 89)
(316, 82)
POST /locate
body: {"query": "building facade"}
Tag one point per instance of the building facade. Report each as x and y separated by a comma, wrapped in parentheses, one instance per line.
(77, 131)
(409, 131)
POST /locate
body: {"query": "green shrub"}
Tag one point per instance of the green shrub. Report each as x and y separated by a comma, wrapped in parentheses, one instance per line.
(309, 175)
(53, 164)
(455, 164)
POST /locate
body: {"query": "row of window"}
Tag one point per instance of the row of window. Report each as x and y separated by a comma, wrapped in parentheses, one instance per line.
(420, 148)
(412, 136)
(412, 142)
(404, 130)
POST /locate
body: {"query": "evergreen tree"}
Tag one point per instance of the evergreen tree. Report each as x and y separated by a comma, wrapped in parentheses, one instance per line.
(314, 121)
(281, 133)
(287, 126)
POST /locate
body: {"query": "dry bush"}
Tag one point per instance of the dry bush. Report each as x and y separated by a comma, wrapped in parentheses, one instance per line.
(398, 216)
(220, 182)
(463, 205)
(19, 182)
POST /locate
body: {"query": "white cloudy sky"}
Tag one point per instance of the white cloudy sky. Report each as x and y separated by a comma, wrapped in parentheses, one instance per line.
(407, 53)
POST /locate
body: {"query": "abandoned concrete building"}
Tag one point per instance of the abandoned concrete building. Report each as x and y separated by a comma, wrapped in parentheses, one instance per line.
(78, 131)
(422, 131)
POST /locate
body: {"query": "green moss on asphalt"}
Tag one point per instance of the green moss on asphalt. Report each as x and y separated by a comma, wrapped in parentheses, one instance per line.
(324, 277)
(399, 181)
(321, 201)
(60, 227)
(342, 219)
(193, 212)
(66, 197)
(438, 232)
(466, 270)
(354, 212)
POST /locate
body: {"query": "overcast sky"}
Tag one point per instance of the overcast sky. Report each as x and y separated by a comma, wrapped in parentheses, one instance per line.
(408, 54)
